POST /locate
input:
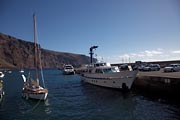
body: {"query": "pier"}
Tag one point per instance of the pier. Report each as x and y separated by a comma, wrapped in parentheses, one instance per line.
(160, 73)
(158, 82)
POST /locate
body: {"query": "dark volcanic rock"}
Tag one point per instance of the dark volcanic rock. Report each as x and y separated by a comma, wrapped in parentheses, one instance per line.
(16, 53)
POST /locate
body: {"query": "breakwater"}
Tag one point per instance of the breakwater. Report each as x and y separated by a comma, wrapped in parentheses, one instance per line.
(158, 82)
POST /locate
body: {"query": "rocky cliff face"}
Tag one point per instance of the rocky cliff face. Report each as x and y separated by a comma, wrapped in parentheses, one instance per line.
(16, 53)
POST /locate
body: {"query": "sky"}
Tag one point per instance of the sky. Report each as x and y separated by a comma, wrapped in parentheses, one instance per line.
(124, 30)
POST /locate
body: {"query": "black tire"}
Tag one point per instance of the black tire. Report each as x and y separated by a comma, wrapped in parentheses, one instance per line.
(124, 87)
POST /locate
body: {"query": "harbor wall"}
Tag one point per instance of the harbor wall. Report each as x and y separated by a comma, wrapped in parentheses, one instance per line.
(158, 83)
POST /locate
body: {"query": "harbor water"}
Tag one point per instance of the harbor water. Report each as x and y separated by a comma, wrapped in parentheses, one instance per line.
(71, 99)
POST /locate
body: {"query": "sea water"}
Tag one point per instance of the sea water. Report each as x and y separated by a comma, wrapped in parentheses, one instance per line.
(71, 99)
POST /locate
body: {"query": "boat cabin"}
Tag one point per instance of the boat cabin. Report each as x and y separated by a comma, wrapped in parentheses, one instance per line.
(102, 67)
(68, 67)
(98, 64)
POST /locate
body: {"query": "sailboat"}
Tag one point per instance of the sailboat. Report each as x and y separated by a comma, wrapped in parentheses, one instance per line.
(31, 88)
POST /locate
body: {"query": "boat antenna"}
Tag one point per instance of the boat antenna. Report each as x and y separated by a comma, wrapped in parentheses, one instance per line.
(91, 53)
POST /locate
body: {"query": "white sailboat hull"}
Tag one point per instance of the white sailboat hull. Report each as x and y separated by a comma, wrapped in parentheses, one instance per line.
(119, 80)
(41, 96)
(39, 93)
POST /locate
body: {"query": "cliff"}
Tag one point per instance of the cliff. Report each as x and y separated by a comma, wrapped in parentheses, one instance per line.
(17, 53)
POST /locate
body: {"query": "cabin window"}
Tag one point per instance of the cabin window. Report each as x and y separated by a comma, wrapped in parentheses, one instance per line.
(114, 69)
(89, 71)
(107, 70)
(99, 64)
(98, 71)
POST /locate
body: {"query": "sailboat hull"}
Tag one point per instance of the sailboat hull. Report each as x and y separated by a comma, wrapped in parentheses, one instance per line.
(36, 93)
(39, 96)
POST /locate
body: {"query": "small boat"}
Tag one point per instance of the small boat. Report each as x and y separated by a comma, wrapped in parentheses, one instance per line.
(31, 88)
(1, 90)
(21, 71)
(1, 74)
(68, 70)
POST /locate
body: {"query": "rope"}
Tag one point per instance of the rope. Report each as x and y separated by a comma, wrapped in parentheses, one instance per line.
(40, 62)
(42, 75)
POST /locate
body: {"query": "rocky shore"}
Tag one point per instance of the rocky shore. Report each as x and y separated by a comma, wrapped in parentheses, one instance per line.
(16, 53)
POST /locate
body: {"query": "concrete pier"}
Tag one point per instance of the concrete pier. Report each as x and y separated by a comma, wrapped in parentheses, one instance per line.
(158, 82)
(160, 73)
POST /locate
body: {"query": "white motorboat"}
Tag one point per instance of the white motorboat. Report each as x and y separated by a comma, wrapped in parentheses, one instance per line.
(1, 74)
(31, 88)
(68, 70)
(105, 75)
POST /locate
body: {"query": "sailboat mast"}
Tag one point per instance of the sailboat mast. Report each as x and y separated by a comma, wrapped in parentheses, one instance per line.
(35, 47)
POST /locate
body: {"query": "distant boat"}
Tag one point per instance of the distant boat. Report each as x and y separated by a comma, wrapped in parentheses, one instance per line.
(21, 71)
(1, 74)
(31, 88)
(68, 70)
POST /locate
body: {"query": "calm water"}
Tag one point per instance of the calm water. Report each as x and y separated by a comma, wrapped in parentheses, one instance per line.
(70, 99)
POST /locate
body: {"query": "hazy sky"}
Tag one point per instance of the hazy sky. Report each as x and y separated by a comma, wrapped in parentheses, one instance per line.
(124, 30)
